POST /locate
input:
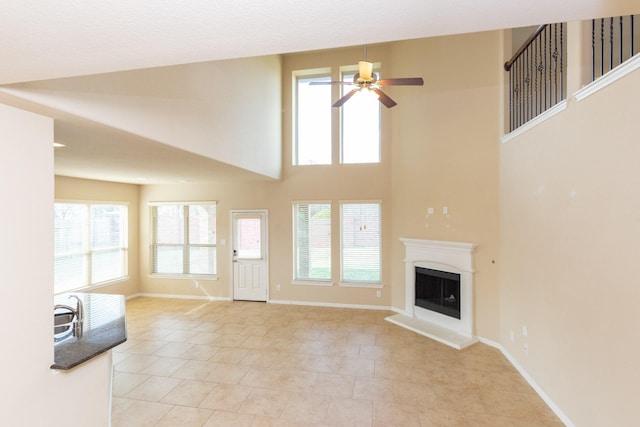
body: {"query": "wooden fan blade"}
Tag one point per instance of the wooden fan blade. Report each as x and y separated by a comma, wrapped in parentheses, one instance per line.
(331, 83)
(382, 97)
(345, 98)
(406, 81)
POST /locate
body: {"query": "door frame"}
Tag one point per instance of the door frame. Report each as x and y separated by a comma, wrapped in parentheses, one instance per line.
(265, 243)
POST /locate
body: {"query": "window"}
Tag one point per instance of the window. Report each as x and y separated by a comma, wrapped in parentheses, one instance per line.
(312, 241)
(90, 244)
(183, 239)
(360, 142)
(359, 124)
(313, 122)
(360, 241)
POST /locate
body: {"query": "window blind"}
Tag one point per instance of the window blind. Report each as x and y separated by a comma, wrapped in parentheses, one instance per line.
(360, 242)
(312, 241)
(90, 244)
(183, 238)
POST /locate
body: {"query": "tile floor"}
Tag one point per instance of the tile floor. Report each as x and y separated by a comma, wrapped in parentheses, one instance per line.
(195, 363)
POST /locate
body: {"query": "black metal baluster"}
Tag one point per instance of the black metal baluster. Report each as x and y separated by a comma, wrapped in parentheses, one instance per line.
(601, 46)
(547, 62)
(529, 88)
(610, 44)
(511, 99)
(631, 53)
(534, 70)
(555, 67)
(518, 93)
(521, 92)
(593, 49)
(562, 90)
(525, 88)
(621, 41)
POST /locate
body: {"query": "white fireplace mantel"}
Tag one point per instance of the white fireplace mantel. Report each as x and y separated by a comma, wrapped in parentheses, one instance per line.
(453, 257)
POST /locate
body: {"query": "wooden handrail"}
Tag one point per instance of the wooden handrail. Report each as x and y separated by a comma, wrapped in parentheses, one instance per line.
(525, 45)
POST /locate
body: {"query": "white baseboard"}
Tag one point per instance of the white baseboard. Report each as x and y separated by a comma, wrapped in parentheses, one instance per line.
(544, 396)
(330, 304)
(171, 296)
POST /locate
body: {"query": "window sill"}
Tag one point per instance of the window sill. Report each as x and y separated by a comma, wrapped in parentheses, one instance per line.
(361, 285)
(95, 286)
(184, 276)
(311, 283)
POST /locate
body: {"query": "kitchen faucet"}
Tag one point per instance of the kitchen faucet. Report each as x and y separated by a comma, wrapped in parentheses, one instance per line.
(79, 314)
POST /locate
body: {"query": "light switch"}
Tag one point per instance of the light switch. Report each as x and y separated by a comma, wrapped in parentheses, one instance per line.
(430, 211)
(445, 210)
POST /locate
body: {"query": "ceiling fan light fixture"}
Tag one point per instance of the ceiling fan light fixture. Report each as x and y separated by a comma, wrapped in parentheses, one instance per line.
(365, 81)
(365, 69)
(370, 94)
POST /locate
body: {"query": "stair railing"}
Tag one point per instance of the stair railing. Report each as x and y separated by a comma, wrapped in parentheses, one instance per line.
(613, 41)
(537, 74)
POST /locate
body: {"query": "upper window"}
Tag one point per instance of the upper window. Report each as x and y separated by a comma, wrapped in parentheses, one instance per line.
(359, 126)
(90, 244)
(360, 241)
(312, 241)
(313, 122)
(183, 238)
(360, 129)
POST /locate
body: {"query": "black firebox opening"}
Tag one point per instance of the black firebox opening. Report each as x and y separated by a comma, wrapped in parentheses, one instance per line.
(438, 291)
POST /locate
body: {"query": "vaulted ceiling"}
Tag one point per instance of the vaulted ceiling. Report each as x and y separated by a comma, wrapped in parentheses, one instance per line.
(45, 39)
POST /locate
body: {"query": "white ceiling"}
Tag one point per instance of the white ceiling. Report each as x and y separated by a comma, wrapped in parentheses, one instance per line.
(46, 39)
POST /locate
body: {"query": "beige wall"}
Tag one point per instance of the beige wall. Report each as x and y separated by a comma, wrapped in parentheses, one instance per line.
(308, 183)
(32, 393)
(445, 139)
(570, 233)
(74, 189)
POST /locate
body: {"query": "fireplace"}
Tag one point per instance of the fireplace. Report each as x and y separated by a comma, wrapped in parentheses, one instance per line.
(438, 291)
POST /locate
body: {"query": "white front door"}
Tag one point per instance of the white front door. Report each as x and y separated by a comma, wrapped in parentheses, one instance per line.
(250, 257)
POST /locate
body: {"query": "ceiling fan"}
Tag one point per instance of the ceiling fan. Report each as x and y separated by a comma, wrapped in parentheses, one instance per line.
(366, 80)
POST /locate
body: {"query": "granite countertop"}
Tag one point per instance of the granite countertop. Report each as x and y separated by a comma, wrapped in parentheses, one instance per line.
(104, 327)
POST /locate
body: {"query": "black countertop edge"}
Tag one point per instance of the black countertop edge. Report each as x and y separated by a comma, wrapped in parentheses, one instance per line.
(104, 327)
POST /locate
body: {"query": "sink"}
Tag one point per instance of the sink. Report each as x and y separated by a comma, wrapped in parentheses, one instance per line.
(62, 321)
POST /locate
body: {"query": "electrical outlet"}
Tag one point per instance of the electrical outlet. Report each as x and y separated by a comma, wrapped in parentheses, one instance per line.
(526, 348)
(378, 294)
(278, 287)
(525, 331)
(196, 284)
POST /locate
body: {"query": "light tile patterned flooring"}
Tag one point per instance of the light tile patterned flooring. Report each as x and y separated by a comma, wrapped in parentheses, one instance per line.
(195, 363)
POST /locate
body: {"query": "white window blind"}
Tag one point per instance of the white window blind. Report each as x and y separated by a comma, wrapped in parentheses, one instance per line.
(360, 242)
(183, 239)
(90, 244)
(312, 241)
(313, 122)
